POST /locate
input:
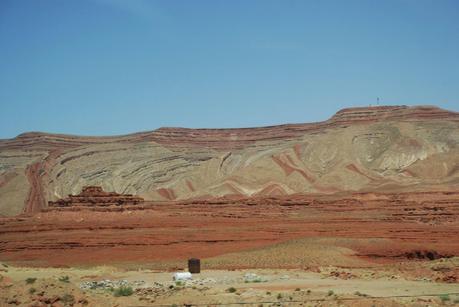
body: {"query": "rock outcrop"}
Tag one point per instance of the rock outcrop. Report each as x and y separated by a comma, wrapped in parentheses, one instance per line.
(390, 148)
(96, 196)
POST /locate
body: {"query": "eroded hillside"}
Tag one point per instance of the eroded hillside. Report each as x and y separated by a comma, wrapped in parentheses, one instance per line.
(360, 149)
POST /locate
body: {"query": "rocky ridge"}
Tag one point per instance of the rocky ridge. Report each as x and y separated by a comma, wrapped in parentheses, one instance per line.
(386, 148)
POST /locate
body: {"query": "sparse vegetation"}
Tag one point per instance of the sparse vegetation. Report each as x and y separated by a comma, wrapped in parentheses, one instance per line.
(231, 290)
(297, 289)
(330, 292)
(179, 283)
(279, 296)
(68, 299)
(308, 291)
(444, 297)
(123, 291)
(255, 280)
(360, 294)
(268, 293)
(32, 290)
(30, 280)
(64, 278)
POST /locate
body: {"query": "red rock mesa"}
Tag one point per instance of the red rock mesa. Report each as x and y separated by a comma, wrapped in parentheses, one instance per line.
(94, 195)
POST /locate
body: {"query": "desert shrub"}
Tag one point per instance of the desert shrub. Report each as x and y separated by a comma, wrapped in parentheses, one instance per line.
(32, 290)
(255, 280)
(68, 299)
(123, 291)
(231, 290)
(179, 283)
(297, 289)
(64, 278)
(268, 293)
(308, 291)
(30, 280)
(360, 294)
(444, 297)
(279, 296)
(330, 292)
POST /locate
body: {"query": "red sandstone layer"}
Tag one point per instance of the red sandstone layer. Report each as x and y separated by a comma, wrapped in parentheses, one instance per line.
(389, 227)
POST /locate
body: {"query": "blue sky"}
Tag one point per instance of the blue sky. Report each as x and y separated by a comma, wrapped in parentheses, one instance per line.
(104, 67)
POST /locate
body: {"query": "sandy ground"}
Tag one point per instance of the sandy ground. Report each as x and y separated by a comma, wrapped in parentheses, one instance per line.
(327, 286)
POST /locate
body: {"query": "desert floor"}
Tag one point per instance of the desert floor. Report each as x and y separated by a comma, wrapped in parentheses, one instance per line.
(412, 283)
(325, 286)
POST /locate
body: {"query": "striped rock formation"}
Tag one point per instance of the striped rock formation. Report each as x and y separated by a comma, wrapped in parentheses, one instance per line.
(387, 148)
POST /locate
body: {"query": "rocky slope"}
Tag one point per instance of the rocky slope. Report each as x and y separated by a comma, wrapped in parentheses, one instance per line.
(390, 148)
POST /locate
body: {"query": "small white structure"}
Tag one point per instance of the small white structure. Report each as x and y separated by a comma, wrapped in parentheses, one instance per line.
(182, 276)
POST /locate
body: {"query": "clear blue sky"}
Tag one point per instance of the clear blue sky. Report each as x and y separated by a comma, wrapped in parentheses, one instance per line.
(103, 67)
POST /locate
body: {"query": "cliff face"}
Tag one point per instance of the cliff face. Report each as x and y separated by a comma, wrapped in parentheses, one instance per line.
(358, 149)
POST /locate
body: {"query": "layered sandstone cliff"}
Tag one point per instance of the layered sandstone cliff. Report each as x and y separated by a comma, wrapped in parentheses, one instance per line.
(358, 149)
